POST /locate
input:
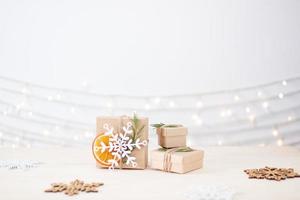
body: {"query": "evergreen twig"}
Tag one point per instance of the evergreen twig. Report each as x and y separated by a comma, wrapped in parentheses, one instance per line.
(180, 149)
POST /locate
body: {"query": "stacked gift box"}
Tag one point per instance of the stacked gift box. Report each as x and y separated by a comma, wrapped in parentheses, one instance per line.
(174, 155)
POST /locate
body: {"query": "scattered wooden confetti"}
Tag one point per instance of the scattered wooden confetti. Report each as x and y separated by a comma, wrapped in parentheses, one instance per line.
(74, 187)
(272, 173)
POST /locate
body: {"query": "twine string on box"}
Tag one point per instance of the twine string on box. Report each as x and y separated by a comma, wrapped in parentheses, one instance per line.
(167, 163)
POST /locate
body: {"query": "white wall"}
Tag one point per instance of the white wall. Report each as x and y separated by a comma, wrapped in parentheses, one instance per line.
(156, 47)
(150, 47)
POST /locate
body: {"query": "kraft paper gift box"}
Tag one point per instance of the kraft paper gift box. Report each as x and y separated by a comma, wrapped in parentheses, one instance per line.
(117, 122)
(170, 136)
(179, 162)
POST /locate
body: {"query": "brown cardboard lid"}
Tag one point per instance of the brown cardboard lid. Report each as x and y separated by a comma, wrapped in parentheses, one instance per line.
(178, 157)
(117, 122)
(172, 131)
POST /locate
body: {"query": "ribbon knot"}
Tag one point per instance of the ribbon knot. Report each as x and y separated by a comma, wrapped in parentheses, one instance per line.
(167, 164)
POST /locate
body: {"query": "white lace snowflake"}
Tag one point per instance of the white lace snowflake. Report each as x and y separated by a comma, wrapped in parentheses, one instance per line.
(19, 164)
(121, 145)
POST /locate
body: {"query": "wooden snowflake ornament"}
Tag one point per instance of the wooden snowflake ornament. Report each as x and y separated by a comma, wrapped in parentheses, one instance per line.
(271, 173)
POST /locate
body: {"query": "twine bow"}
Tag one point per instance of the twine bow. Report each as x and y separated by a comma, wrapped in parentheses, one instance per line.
(167, 162)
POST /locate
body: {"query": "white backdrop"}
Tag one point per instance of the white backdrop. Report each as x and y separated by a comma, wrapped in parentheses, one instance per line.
(155, 47)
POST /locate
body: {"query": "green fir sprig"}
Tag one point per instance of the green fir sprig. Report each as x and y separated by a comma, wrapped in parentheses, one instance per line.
(180, 149)
(136, 129)
(164, 125)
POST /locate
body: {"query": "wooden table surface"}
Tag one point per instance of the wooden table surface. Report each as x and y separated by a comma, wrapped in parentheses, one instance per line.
(222, 166)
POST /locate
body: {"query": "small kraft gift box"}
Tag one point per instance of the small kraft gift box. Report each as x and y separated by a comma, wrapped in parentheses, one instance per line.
(179, 160)
(125, 145)
(171, 135)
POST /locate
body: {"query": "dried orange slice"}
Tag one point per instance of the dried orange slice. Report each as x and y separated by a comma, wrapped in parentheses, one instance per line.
(102, 156)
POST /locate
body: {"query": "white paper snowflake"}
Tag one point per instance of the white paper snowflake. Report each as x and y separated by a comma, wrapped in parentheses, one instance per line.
(121, 145)
(19, 164)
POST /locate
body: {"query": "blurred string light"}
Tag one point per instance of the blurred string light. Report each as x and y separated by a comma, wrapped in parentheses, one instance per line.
(226, 113)
(263, 127)
(167, 103)
(157, 100)
(78, 125)
(258, 88)
(109, 104)
(236, 97)
(84, 84)
(198, 121)
(199, 104)
(20, 135)
(147, 107)
(265, 105)
(50, 98)
(280, 95)
(49, 123)
(247, 109)
(171, 103)
(275, 132)
(259, 94)
(279, 142)
(43, 116)
(252, 118)
(284, 83)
